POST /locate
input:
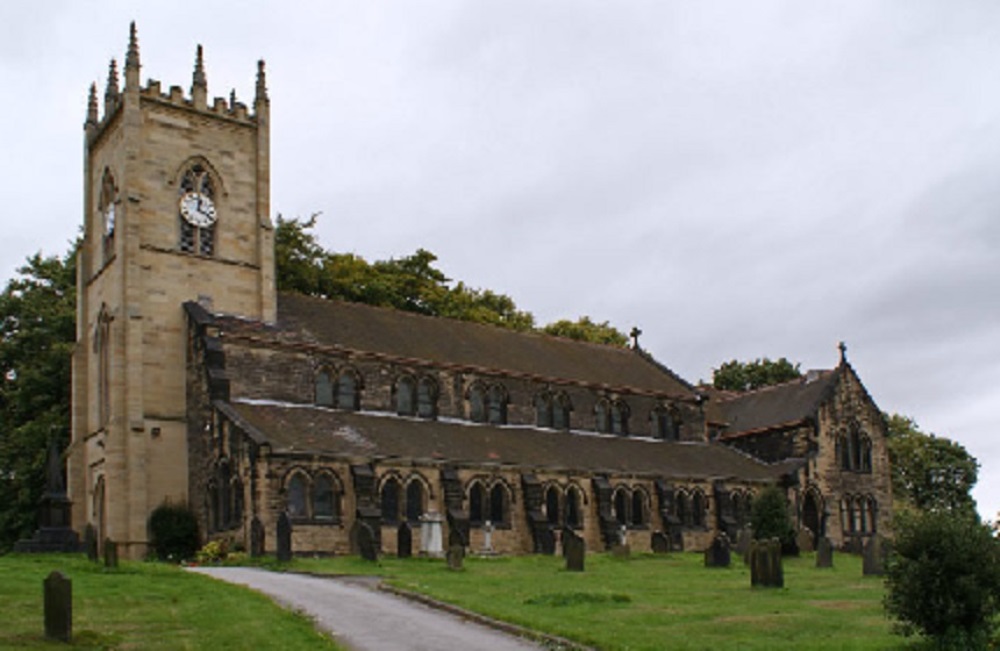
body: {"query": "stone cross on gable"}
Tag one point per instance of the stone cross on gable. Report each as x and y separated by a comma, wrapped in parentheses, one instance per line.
(634, 334)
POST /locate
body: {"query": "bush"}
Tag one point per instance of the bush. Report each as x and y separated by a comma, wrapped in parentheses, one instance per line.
(173, 532)
(943, 579)
(769, 518)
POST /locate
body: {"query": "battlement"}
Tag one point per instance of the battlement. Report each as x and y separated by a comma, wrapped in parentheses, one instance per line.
(117, 96)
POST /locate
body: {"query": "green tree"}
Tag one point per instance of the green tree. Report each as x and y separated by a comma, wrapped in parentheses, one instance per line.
(746, 376)
(769, 517)
(930, 473)
(943, 579)
(583, 329)
(37, 331)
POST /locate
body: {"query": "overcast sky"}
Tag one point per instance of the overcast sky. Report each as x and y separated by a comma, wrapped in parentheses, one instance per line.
(738, 179)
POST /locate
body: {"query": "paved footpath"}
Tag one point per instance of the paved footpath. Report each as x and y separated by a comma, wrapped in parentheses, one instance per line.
(365, 619)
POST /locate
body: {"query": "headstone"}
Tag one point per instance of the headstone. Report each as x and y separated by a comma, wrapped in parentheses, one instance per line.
(873, 561)
(284, 547)
(824, 553)
(456, 554)
(717, 554)
(404, 541)
(110, 553)
(54, 533)
(743, 540)
(90, 543)
(574, 549)
(487, 549)
(804, 540)
(766, 570)
(367, 547)
(256, 537)
(455, 537)
(58, 592)
(659, 543)
(430, 535)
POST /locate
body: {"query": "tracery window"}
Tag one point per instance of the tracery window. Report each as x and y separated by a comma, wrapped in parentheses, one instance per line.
(640, 512)
(499, 505)
(348, 394)
(497, 405)
(543, 409)
(326, 503)
(390, 501)
(324, 389)
(296, 491)
(611, 417)
(196, 182)
(552, 510)
(552, 410)
(697, 509)
(427, 394)
(477, 504)
(406, 404)
(477, 403)
(414, 500)
(561, 408)
(107, 208)
(621, 504)
(664, 424)
(574, 516)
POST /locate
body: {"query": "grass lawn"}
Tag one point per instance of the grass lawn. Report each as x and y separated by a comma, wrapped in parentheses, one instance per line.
(144, 606)
(656, 602)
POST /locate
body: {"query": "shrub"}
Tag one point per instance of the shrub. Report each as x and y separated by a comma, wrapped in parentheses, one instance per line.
(173, 532)
(213, 552)
(769, 518)
(943, 579)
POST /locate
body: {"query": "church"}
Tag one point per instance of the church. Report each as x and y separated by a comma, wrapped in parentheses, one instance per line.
(195, 382)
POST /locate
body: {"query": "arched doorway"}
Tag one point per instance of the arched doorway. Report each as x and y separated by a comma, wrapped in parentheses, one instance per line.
(811, 514)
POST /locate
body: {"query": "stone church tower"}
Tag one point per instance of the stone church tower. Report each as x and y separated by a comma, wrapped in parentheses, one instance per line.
(176, 209)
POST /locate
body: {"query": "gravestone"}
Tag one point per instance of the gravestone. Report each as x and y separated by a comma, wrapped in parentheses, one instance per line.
(487, 549)
(873, 561)
(743, 540)
(804, 540)
(367, 547)
(284, 546)
(456, 555)
(766, 570)
(455, 537)
(659, 543)
(404, 541)
(256, 537)
(54, 533)
(824, 553)
(574, 549)
(58, 592)
(430, 535)
(717, 554)
(90, 543)
(110, 553)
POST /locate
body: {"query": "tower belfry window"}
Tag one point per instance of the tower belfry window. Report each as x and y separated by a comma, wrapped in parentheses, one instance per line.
(197, 211)
(106, 208)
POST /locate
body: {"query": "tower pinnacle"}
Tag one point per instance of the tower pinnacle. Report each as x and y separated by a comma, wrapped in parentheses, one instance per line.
(111, 92)
(132, 59)
(198, 80)
(92, 107)
(261, 83)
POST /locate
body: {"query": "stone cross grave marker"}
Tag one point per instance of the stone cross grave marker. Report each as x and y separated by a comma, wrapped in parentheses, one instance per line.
(824, 553)
(284, 550)
(404, 540)
(574, 549)
(659, 542)
(717, 554)
(58, 591)
(766, 570)
(487, 539)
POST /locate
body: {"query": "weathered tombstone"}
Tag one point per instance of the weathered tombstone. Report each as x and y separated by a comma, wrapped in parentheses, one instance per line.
(404, 540)
(284, 546)
(487, 549)
(90, 543)
(256, 537)
(873, 561)
(766, 570)
(824, 553)
(430, 535)
(575, 550)
(804, 540)
(58, 592)
(717, 554)
(659, 543)
(456, 554)
(110, 553)
(743, 540)
(621, 548)
(455, 537)
(367, 547)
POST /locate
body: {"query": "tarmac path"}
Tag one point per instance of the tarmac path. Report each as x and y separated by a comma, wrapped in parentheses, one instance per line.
(365, 619)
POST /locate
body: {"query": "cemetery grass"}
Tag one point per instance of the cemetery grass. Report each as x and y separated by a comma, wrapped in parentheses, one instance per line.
(144, 606)
(655, 602)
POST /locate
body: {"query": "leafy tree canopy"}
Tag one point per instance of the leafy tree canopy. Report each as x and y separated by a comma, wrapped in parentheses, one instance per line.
(37, 331)
(746, 376)
(930, 473)
(769, 517)
(583, 329)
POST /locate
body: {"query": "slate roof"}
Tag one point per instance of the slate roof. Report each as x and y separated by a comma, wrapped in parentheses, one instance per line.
(773, 406)
(309, 429)
(438, 340)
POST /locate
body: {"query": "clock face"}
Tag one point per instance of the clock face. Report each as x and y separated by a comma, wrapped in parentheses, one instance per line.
(197, 209)
(109, 219)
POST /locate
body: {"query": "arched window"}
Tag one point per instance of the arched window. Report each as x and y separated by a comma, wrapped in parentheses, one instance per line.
(427, 394)
(866, 454)
(324, 389)
(406, 404)
(107, 207)
(664, 424)
(414, 500)
(498, 405)
(543, 410)
(574, 516)
(855, 458)
(683, 508)
(621, 504)
(390, 501)
(477, 403)
(102, 345)
(295, 496)
(619, 418)
(844, 449)
(561, 407)
(698, 509)
(640, 512)
(499, 505)
(477, 504)
(552, 506)
(197, 213)
(326, 498)
(348, 396)
(602, 416)
(872, 507)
